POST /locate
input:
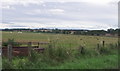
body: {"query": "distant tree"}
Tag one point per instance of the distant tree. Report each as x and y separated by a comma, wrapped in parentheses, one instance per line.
(111, 31)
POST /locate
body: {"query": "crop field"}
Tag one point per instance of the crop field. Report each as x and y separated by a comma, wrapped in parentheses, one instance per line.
(66, 53)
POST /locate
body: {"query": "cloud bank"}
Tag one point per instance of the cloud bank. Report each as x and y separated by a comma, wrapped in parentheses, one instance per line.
(78, 14)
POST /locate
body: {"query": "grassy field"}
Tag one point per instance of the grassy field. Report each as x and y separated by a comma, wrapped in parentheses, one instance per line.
(61, 58)
(59, 39)
(101, 62)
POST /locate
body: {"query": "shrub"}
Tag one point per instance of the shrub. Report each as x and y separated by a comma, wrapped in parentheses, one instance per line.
(81, 50)
(11, 41)
(34, 56)
(91, 52)
(61, 54)
(112, 46)
(6, 64)
(104, 50)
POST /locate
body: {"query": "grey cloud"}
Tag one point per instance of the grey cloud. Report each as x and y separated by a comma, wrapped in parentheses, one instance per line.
(73, 11)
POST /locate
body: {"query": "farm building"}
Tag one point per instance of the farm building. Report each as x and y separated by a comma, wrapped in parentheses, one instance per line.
(107, 34)
(72, 32)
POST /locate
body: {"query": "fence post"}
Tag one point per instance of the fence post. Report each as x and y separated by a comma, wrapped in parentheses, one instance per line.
(98, 46)
(103, 43)
(10, 52)
(38, 44)
(29, 48)
(82, 50)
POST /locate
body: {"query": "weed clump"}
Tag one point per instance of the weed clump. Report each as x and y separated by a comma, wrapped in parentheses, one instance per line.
(11, 41)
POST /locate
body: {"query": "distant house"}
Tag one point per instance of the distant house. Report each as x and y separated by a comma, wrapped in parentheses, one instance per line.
(42, 30)
(11, 32)
(46, 30)
(34, 30)
(19, 32)
(96, 34)
(72, 32)
(107, 34)
(116, 35)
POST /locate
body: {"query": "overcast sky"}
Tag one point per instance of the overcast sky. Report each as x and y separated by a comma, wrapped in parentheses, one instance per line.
(64, 14)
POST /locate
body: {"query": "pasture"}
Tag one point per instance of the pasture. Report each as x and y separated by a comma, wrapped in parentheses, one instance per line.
(64, 52)
(63, 40)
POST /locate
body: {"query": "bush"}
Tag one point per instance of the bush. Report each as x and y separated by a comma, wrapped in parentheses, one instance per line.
(61, 54)
(11, 41)
(112, 46)
(34, 56)
(104, 50)
(53, 56)
(6, 64)
(91, 52)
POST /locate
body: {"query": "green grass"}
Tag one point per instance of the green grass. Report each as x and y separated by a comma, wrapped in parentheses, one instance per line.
(101, 62)
(59, 59)
(64, 52)
(105, 61)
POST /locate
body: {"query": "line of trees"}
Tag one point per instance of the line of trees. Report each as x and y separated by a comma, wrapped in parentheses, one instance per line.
(69, 31)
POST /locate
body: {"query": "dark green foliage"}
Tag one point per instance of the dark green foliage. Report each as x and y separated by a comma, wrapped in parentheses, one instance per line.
(81, 50)
(6, 64)
(61, 54)
(85, 52)
(54, 56)
(58, 54)
(91, 53)
(104, 50)
(113, 46)
(34, 56)
(11, 41)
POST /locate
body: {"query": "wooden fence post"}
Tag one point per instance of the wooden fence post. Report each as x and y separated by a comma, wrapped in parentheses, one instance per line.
(98, 46)
(29, 48)
(82, 50)
(10, 52)
(103, 43)
(38, 44)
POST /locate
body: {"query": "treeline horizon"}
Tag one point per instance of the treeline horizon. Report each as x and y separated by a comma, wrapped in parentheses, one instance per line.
(48, 29)
(110, 31)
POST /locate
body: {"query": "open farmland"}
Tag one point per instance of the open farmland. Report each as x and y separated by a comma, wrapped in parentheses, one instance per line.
(61, 58)
(59, 39)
